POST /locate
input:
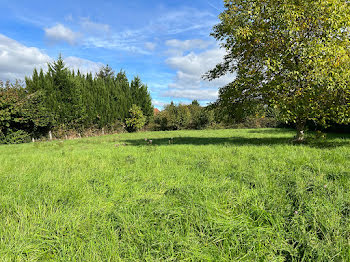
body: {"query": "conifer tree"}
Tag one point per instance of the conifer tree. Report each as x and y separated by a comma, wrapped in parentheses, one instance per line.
(78, 101)
(141, 97)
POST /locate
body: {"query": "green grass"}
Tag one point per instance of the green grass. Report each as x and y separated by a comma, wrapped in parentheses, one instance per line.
(222, 195)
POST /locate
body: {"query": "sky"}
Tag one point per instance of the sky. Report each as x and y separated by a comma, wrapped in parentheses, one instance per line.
(166, 43)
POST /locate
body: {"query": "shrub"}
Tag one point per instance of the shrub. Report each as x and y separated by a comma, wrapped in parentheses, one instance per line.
(202, 118)
(182, 117)
(15, 137)
(2, 137)
(175, 117)
(161, 121)
(136, 120)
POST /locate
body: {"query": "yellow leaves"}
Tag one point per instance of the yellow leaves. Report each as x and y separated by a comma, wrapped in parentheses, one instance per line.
(299, 91)
(341, 60)
(244, 32)
(336, 64)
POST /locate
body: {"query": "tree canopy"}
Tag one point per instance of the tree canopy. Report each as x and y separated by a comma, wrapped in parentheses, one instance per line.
(291, 55)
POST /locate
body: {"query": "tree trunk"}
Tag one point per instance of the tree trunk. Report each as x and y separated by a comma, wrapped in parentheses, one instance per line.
(300, 125)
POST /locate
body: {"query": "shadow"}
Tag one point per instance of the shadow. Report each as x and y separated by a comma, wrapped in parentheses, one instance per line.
(292, 131)
(337, 135)
(271, 131)
(234, 141)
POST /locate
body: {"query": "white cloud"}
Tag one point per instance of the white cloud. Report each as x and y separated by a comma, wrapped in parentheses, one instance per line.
(185, 20)
(158, 103)
(18, 61)
(132, 41)
(116, 42)
(94, 28)
(169, 24)
(85, 66)
(99, 35)
(60, 33)
(190, 68)
(194, 94)
(150, 46)
(187, 44)
(69, 18)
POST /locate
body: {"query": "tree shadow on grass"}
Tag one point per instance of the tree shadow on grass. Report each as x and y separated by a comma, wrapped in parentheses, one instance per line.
(271, 131)
(233, 141)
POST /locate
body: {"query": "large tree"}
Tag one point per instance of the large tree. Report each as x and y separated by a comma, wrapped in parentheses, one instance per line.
(292, 55)
(69, 107)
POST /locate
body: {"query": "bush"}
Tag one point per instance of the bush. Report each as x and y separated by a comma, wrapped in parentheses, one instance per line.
(202, 118)
(2, 137)
(174, 117)
(15, 137)
(136, 120)
(161, 121)
(182, 117)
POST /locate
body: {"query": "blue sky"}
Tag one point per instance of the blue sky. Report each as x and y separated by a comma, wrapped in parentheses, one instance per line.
(166, 43)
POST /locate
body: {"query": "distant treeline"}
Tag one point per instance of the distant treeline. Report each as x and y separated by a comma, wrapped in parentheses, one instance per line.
(177, 117)
(61, 99)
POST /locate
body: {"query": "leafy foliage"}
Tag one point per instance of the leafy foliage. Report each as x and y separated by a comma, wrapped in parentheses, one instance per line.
(291, 55)
(141, 97)
(177, 117)
(21, 115)
(201, 117)
(72, 101)
(136, 120)
(15, 137)
(63, 101)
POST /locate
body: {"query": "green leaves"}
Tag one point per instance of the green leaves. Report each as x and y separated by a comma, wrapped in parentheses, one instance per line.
(136, 120)
(292, 55)
(21, 114)
(77, 101)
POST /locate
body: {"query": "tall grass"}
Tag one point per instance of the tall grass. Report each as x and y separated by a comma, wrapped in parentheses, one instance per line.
(225, 195)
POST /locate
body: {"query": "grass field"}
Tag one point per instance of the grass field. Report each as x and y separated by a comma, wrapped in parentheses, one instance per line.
(213, 195)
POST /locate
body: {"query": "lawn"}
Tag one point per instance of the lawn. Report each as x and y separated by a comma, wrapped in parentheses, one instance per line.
(212, 195)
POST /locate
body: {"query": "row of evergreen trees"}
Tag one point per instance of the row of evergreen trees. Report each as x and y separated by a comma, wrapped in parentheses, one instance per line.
(79, 101)
(63, 99)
